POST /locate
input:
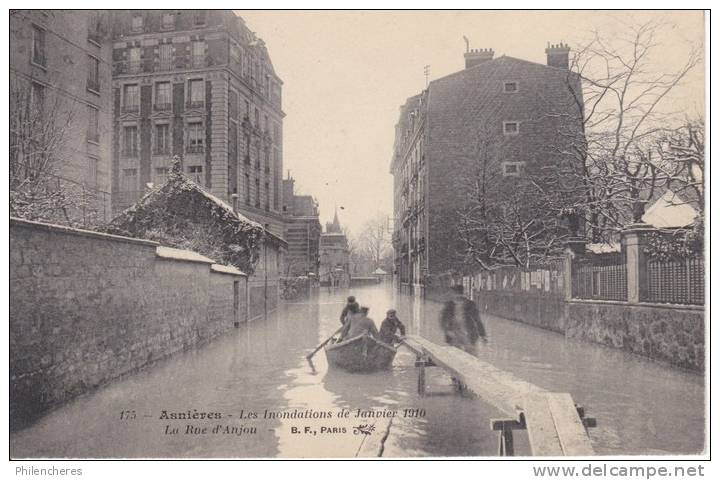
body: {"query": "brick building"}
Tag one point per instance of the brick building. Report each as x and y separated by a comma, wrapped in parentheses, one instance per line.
(198, 84)
(302, 231)
(60, 73)
(334, 255)
(518, 107)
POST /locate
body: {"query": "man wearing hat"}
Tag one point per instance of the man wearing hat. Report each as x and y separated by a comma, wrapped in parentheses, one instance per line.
(389, 326)
(344, 313)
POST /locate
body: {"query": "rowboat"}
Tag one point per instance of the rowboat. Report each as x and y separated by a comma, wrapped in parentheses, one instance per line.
(360, 354)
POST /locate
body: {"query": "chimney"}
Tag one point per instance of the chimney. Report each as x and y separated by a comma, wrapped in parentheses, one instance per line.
(477, 56)
(557, 55)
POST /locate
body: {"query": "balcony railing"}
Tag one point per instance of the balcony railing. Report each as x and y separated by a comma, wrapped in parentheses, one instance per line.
(198, 61)
(161, 151)
(131, 108)
(162, 107)
(195, 148)
(134, 66)
(165, 65)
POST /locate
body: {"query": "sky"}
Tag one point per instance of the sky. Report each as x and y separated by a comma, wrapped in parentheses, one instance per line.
(346, 74)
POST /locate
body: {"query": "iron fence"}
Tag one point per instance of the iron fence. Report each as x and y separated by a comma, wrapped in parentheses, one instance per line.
(680, 281)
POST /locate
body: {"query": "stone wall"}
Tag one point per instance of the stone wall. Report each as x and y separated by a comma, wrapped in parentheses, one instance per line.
(671, 334)
(86, 308)
(668, 333)
(533, 308)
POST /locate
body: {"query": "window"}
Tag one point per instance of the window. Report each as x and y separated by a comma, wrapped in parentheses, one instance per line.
(134, 65)
(196, 137)
(131, 98)
(257, 192)
(161, 174)
(130, 141)
(233, 105)
(95, 28)
(247, 188)
(93, 74)
(199, 18)
(128, 180)
(195, 172)
(196, 93)
(198, 54)
(510, 87)
(168, 21)
(247, 148)
(257, 118)
(247, 109)
(165, 52)
(37, 100)
(137, 23)
(276, 134)
(163, 101)
(162, 139)
(92, 172)
(93, 135)
(267, 196)
(511, 128)
(38, 46)
(513, 169)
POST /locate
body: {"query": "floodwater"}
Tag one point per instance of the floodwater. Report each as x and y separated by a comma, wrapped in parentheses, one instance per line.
(641, 407)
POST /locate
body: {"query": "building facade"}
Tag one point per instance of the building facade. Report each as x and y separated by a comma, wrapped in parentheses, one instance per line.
(60, 105)
(198, 84)
(334, 255)
(520, 110)
(302, 232)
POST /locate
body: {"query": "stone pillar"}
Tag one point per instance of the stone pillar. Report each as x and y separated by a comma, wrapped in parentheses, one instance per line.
(567, 273)
(633, 239)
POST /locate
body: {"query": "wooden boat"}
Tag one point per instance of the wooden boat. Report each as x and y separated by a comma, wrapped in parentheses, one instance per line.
(360, 354)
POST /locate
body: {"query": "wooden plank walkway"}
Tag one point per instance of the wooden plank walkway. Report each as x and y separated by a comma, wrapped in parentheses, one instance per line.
(552, 420)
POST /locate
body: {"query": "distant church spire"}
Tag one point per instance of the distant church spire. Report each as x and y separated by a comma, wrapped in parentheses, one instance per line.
(334, 227)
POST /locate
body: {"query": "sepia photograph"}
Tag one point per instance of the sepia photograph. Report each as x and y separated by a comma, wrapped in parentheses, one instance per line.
(354, 234)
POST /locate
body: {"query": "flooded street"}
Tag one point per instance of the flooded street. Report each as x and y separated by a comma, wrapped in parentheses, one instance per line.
(641, 407)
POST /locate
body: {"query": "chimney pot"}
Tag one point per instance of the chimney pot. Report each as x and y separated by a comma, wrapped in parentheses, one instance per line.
(477, 56)
(558, 55)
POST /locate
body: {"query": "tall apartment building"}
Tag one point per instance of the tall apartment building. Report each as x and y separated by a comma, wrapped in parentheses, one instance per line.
(60, 105)
(302, 231)
(524, 110)
(198, 84)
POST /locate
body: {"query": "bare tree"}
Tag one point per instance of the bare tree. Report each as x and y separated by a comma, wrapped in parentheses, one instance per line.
(513, 219)
(621, 107)
(374, 241)
(41, 122)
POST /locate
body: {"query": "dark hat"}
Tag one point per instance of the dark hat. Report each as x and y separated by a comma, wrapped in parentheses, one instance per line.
(392, 310)
(364, 309)
(351, 299)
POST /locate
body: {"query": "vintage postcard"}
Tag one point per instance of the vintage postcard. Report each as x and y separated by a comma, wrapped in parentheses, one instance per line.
(352, 234)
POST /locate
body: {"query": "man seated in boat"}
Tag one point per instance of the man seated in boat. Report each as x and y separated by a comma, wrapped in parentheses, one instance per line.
(358, 323)
(389, 326)
(346, 309)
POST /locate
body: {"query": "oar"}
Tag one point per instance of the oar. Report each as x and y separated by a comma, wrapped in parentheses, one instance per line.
(324, 343)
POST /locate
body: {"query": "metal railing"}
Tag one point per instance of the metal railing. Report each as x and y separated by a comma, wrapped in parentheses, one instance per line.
(679, 281)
